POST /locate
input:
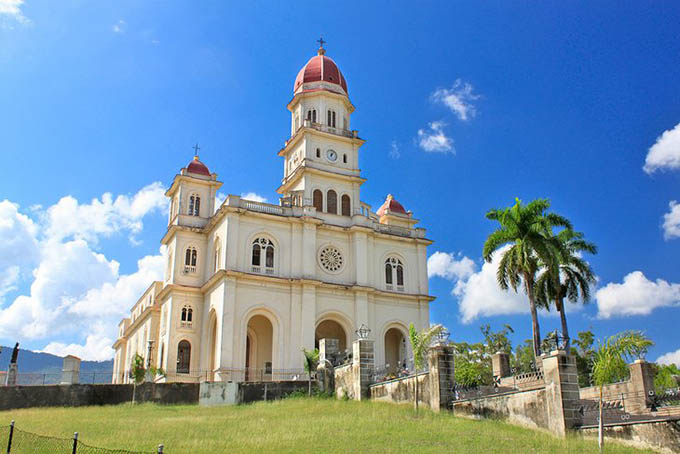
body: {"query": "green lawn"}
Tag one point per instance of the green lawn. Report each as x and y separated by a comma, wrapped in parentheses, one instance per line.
(291, 425)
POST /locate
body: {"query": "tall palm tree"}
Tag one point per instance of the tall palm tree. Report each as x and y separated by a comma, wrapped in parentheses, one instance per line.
(420, 342)
(569, 277)
(528, 231)
(610, 359)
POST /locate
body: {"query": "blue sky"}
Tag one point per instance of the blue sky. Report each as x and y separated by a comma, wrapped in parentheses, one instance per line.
(464, 106)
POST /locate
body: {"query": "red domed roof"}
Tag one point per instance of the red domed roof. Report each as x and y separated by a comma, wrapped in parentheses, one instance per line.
(320, 68)
(197, 167)
(392, 206)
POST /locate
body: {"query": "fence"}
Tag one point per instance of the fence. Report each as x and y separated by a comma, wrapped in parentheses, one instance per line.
(24, 442)
(54, 378)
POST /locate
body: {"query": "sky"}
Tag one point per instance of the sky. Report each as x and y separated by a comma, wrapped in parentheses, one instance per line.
(464, 105)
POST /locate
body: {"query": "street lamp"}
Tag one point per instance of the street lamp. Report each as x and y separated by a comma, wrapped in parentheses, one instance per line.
(443, 336)
(363, 331)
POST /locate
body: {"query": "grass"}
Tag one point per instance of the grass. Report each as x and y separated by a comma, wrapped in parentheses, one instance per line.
(291, 425)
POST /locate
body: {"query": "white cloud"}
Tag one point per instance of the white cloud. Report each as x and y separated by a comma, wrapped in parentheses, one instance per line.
(450, 266)
(394, 150)
(219, 200)
(670, 358)
(434, 139)
(671, 221)
(70, 219)
(119, 27)
(76, 293)
(665, 153)
(637, 295)
(12, 9)
(458, 99)
(253, 197)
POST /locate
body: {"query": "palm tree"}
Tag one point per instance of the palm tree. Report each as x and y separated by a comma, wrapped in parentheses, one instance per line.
(420, 342)
(610, 360)
(569, 277)
(311, 361)
(528, 229)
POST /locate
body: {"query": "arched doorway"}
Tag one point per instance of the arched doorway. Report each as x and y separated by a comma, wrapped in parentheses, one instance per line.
(212, 336)
(330, 329)
(259, 348)
(395, 349)
(183, 357)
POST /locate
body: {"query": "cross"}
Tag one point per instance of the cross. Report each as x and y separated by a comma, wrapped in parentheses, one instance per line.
(321, 42)
(196, 148)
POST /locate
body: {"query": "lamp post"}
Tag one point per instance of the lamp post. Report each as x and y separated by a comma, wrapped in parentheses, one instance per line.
(363, 331)
(443, 337)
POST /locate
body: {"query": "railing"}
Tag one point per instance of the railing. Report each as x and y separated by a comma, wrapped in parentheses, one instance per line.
(189, 269)
(393, 230)
(262, 207)
(258, 269)
(54, 378)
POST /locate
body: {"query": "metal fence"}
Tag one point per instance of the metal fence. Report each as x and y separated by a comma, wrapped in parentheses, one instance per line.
(24, 442)
(40, 379)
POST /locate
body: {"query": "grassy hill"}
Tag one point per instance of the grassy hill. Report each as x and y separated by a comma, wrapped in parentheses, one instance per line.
(292, 425)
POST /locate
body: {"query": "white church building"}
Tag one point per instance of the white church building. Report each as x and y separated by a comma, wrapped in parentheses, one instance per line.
(248, 285)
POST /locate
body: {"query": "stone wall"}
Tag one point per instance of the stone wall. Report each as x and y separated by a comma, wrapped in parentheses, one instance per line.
(402, 390)
(344, 381)
(77, 395)
(526, 408)
(632, 392)
(253, 392)
(659, 435)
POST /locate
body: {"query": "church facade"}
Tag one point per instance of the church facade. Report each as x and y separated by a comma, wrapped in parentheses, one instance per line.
(248, 284)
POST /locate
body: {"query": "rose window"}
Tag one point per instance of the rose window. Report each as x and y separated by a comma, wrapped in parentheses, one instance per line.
(331, 259)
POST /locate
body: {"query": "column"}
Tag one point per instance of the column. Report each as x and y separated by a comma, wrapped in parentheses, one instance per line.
(360, 258)
(70, 372)
(500, 364)
(308, 315)
(441, 366)
(642, 380)
(363, 365)
(562, 391)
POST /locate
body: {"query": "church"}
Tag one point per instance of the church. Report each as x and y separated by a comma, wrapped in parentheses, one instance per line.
(248, 285)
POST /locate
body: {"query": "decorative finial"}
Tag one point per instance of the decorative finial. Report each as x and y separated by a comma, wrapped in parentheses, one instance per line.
(196, 148)
(390, 196)
(321, 42)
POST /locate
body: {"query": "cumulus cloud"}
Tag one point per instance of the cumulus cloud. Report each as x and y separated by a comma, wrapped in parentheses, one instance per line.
(253, 197)
(12, 9)
(103, 217)
(671, 221)
(435, 139)
(458, 99)
(636, 295)
(670, 358)
(76, 293)
(665, 153)
(450, 266)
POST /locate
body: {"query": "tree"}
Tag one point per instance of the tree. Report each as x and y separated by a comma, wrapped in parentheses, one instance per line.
(138, 372)
(567, 277)
(311, 361)
(610, 358)
(528, 231)
(583, 352)
(420, 342)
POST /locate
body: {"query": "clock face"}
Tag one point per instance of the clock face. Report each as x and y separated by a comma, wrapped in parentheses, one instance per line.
(332, 155)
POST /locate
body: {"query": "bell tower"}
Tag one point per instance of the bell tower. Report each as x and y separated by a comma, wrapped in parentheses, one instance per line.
(321, 157)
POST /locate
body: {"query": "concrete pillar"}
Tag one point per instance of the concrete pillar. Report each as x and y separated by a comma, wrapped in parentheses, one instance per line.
(363, 366)
(642, 380)
(11, 378)
(562, 391)
(328, 348)
(500, 364)
(325, 371)
(441, 366)
(70, 372)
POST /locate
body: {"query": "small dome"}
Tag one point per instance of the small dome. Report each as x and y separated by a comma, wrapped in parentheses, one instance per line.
(320, 68)
(391, 206)
(197, 167)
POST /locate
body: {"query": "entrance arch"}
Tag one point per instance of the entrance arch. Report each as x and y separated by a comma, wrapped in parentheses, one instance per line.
(259, 348)
(330, 329)
(395, 349)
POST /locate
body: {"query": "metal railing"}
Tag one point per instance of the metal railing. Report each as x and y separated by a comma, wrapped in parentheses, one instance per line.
(21, 441)
(261, 207)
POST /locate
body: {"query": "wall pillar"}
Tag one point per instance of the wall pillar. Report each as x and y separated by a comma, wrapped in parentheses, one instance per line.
(11, 378)
(642, 380)
(562, 391)
(441, 366)
(325, 371)
(500, 364)
(70, 372)
(363, 366)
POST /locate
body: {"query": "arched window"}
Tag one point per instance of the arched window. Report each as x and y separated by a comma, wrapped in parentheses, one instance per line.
(183, 357)
(344, 158)
(318, 200)
(311, 115)
(331, 118)
(394, 273)
(263, 256)
(332, 202)
(190, 259)
(318, 152)
(194, 205)
(345, 205)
